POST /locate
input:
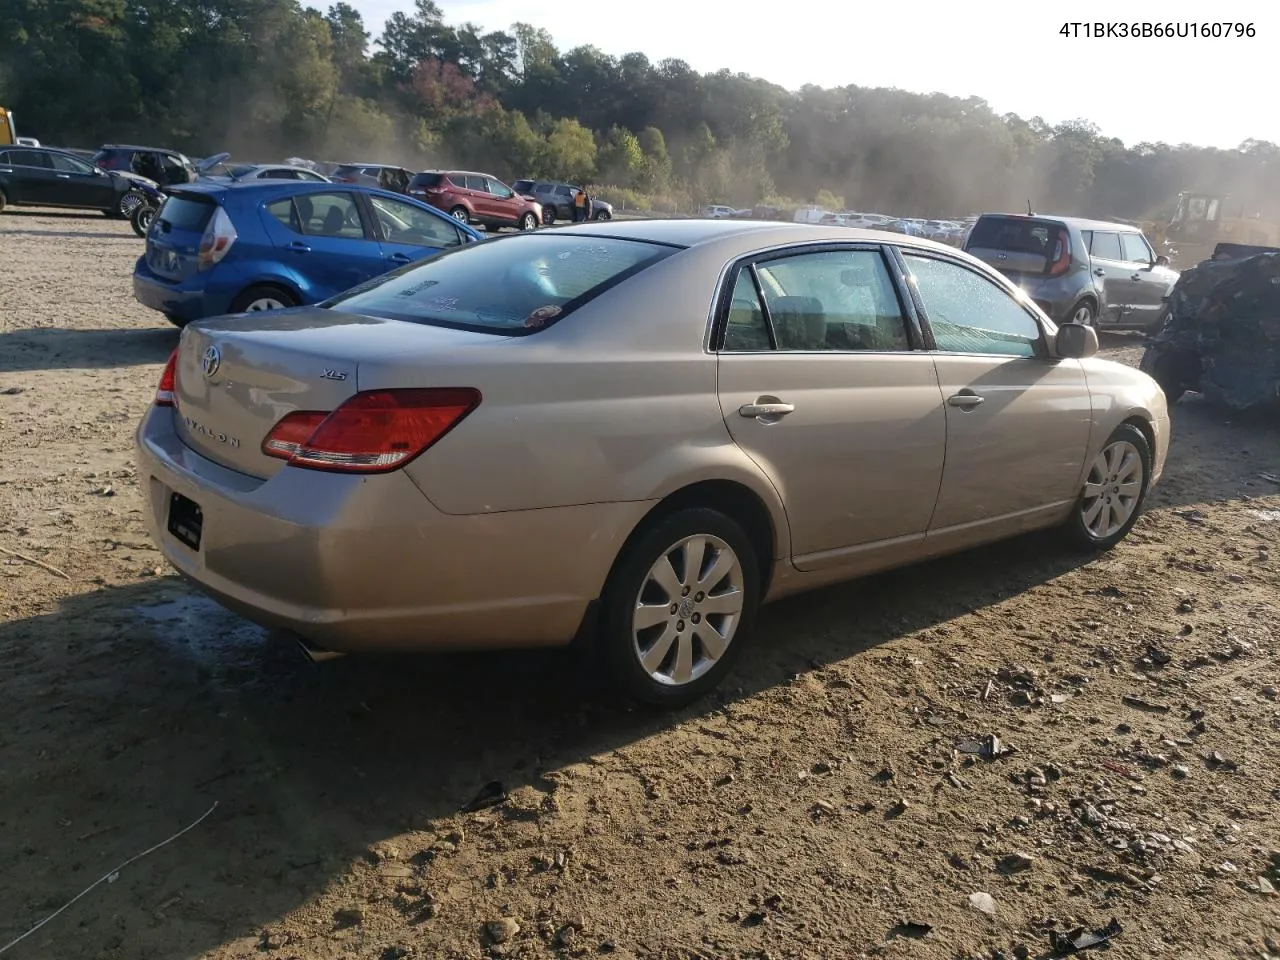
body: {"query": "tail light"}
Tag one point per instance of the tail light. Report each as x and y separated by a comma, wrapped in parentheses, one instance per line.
(167, 388)
(217, 239)
(373, 432)
(1061, 256)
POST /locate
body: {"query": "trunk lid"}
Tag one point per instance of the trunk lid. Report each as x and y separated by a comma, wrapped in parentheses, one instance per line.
(1016, 246)
(173, 242)
(238, 376)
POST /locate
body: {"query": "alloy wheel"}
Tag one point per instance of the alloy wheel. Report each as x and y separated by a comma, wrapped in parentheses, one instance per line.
(688, 609)
(1113, 489)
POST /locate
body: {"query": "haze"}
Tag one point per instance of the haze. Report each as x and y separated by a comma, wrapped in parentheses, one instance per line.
(1009, 54)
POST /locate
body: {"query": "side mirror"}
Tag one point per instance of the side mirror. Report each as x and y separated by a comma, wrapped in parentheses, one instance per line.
(1076, 341)
(1162, 261)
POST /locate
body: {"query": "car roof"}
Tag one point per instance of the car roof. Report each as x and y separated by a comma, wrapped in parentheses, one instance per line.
(466, 173)
(134, 146)
(1080, 223)
(761, 233)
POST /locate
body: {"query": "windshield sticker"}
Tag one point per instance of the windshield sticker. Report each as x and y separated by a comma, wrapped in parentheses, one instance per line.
(541, 317)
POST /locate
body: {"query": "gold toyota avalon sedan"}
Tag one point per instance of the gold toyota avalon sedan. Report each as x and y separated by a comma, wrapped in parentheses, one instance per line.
(632, 434)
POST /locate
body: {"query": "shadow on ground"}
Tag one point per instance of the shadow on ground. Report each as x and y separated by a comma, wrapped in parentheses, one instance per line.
(52, 348)
(173, 703)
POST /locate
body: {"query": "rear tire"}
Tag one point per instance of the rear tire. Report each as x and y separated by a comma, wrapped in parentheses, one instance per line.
(1085, 312)
(695, 626)
(4, 201)
(129, 202)
(548, 215)
(604, 215)
(1114, 492)
(263, 297)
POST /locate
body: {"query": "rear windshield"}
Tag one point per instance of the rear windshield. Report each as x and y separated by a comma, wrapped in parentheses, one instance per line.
(522, 186)
(512, 286)
(345, 170)
(237, 172)
(1015, 235)
(183, 212)
(426, 180)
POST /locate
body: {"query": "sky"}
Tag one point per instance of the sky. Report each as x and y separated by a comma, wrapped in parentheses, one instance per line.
(1010, 54)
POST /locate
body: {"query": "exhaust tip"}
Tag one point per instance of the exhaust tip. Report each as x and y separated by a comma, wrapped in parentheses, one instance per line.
(314, 653)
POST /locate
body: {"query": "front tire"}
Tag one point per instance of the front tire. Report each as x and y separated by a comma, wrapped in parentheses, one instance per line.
(460, 214)
(263, 297)
(1114, 491)
(679, 606)
(529, 222)
(129, 201)
(604, 215)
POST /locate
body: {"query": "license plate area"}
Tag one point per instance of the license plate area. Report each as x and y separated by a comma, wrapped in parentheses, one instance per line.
(186, 520)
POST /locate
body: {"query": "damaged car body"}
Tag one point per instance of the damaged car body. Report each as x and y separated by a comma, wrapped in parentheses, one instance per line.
(1221, 337)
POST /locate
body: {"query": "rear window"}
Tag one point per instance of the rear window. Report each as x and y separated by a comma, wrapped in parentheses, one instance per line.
(522, 186)
(512, 286)
(423, 180)
(186, 213)
(1015, 235)
(238, 172)
(345, 171)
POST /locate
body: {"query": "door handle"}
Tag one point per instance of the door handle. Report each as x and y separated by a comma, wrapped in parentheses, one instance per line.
(398, 257)
(965, 399)
(762, 408)
(1099, 272)
(1137, 277)
(299, 247)
(64, 176)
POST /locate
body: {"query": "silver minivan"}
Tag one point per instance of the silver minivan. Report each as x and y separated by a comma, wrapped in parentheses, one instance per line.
(1082, 271)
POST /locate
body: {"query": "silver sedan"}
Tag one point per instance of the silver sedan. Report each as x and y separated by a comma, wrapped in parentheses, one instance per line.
(634, 433)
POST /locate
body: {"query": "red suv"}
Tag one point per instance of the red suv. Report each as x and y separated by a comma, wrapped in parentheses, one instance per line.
(476, 198)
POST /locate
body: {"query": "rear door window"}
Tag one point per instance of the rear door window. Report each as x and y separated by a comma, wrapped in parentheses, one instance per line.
(1106, 246)
(320, 215)
(38, 159)
(478, 184)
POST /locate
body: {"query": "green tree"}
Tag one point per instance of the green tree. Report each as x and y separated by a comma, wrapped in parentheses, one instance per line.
(570, 151)
(620, 159)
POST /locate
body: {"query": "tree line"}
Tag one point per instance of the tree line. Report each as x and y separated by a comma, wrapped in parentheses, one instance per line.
(270, 78)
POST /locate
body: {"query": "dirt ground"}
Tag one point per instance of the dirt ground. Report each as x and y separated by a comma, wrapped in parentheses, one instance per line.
(828, 804)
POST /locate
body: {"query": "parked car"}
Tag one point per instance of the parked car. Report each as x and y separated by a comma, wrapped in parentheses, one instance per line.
(272, 171)
(54, 178)
(28, 142)
(557, 200)
(471, 197)
(717, 211)
(1087, 271)
(704, 409)
(221, 247)
(381, 175)
(166, 167)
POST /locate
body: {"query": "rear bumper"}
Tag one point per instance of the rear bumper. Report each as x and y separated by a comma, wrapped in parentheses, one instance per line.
(189, 300)
(367, 563)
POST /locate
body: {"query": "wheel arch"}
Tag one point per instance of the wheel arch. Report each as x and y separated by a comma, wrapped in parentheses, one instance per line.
(736, 500)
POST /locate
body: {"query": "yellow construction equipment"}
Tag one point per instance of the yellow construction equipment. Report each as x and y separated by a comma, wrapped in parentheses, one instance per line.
(8, 133)
(1203, 220)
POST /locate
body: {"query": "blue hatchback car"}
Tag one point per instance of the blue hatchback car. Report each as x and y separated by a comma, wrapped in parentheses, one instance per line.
(218, 248)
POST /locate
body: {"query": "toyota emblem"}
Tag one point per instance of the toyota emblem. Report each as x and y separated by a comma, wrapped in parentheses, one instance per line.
(211, 361)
